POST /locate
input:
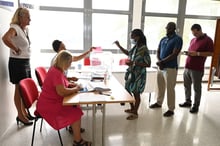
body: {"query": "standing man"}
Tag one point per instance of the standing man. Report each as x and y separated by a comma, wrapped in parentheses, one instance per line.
(200, 47)
(168, 50)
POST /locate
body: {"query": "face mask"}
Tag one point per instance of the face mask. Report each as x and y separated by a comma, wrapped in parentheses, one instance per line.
(133, 42)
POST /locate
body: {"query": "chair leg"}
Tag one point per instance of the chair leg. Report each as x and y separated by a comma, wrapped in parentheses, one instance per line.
(32, 141)
(61, 142)
(41, 124)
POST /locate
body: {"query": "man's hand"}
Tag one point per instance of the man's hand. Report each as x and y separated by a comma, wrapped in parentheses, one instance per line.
(160, 64)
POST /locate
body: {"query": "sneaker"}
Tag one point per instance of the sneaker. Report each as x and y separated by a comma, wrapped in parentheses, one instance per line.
(168, 113)
(185, 104)
(194, 110)
(155, 105)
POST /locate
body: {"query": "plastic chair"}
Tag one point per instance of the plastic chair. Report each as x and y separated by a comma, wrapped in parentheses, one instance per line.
(40, 73)
(29, 94)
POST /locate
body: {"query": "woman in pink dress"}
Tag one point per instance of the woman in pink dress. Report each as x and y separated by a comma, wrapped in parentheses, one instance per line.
(50, 104)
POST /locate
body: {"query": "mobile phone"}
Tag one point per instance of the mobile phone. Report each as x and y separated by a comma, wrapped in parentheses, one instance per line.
(185, 52)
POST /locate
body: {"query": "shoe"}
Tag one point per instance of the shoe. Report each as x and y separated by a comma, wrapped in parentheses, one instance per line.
(168, 113)
(194, 110)
(132, 117)
(30, 117)
(25, 123)
(82, 130)
(122, 104)
(82, 143)
(130, 111)
(185, 104)
(155, 105)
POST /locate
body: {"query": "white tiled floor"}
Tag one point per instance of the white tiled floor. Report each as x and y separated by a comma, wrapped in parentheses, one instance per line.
(150, 129)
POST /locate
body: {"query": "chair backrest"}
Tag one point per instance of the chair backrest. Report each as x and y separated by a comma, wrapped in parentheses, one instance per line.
(40, 74)
(123, 61)
(29, 92)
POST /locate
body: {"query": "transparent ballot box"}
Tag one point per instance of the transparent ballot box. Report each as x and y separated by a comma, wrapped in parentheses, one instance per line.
(101, 64)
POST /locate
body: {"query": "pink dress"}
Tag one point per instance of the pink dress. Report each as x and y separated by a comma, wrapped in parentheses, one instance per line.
(50, 104)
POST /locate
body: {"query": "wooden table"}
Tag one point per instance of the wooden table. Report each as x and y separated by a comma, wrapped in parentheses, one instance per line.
(118, 95)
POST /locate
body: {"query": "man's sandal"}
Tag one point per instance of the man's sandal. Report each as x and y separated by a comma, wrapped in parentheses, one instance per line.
(132, 117)
(82, 143)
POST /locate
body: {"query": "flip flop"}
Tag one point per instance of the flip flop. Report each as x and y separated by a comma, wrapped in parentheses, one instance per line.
(132, 117)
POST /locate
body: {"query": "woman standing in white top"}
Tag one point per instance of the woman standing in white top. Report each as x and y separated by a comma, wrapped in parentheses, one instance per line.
(16, 38)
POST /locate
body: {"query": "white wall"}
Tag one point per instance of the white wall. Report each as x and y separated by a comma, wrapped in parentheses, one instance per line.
(5, 17)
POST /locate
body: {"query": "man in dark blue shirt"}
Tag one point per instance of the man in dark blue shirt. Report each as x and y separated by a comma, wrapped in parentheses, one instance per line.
(167, 53)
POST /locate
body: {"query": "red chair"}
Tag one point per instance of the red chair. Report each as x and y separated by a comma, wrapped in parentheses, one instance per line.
(29, 94)
(123, 61)
(40, 74)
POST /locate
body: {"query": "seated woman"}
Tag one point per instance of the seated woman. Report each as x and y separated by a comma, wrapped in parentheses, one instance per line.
(55, 88)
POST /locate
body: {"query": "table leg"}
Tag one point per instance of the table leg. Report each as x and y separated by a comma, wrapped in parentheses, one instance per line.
(103, 126)
(93, 124)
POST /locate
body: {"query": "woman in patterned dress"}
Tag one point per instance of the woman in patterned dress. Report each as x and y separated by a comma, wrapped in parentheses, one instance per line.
(135, 76)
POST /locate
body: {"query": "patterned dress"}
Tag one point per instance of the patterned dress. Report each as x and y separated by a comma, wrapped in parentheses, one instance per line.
(135, 77)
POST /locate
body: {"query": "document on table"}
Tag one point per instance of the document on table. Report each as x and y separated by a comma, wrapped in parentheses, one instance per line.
(92, 97)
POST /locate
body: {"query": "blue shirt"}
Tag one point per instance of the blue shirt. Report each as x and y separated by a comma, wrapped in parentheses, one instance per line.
(166, 47)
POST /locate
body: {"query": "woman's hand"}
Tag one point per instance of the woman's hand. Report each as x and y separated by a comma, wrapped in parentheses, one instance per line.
(17, 51)
(72, 85)
(129, 62)
(73, 79)
(117, 43)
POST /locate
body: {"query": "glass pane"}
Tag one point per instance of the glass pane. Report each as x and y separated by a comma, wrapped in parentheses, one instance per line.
(63, 3)
(157, 26)
(111, 4)
(65, 26)
(106, 28)
(203, 7)
(162, 6)
(208, 27)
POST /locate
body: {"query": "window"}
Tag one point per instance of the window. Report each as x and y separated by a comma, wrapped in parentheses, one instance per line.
(203, 7)
(154, 30)
(64, 26)
(107, 28)
(111, 4)
(62, 3)
(207, 27)
(162, 6)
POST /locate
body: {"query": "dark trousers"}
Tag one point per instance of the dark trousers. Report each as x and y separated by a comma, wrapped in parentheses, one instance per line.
(193, 77)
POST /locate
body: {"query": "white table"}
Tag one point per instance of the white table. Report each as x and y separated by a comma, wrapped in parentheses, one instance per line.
(118, 95)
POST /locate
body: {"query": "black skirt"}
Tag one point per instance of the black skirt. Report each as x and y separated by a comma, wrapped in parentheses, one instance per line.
(18, 69)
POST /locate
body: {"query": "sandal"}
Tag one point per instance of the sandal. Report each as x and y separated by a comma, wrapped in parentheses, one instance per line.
(82, 143)
(130, 111)
(82, 130)
(132, 117)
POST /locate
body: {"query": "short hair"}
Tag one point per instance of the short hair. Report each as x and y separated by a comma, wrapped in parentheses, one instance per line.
(171, 25)
(62, 59)
(196, 26)
(20, 12)
(56, 45)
